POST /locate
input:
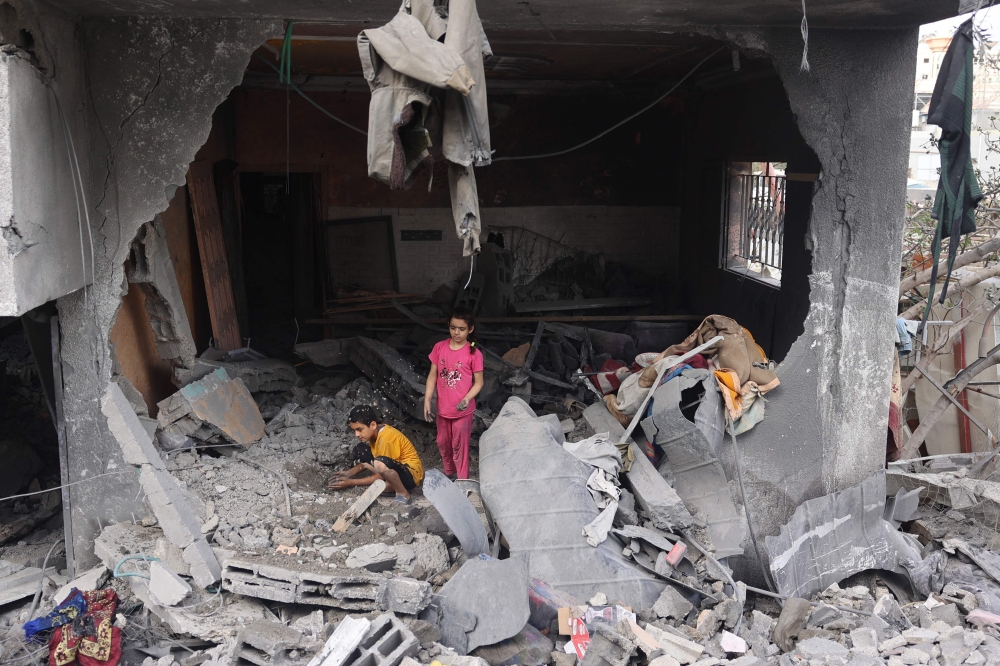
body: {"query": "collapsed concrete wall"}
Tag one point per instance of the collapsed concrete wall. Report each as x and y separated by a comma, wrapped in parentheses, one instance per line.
(44, 250)
(154, 84)
(825, 428)
(153, 270)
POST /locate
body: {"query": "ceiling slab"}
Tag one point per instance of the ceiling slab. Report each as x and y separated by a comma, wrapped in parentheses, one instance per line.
(557, 15)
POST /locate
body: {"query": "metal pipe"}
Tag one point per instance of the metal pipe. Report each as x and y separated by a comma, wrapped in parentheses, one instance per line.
(984, 350)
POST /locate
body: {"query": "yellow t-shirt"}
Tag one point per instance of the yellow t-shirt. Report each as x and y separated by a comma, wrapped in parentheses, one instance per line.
(393, 444)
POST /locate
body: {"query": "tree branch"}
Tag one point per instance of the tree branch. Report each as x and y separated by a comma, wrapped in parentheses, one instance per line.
(953, 332)
(968, 281)
(974, 255)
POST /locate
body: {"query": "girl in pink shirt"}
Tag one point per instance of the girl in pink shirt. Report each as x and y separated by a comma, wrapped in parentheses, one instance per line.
(457, 374)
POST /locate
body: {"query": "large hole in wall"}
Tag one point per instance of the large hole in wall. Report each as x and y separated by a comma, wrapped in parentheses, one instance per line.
(279, 237)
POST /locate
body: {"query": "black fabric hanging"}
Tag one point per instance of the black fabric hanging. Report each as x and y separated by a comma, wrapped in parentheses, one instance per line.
(958, 190)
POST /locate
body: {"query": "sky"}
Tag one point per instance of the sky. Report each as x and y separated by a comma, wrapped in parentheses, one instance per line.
(989, 18)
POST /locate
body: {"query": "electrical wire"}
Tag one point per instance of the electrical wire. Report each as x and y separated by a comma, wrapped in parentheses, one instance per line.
(41, 583)
(136, 574)
(746, 507)
(311, 100)
(65, 485)
(618, 124)
(472, 265)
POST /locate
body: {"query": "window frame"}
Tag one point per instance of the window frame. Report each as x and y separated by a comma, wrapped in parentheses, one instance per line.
(727, 241)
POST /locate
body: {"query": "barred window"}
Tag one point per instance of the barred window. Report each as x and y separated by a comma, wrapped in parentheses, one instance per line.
(753, 221)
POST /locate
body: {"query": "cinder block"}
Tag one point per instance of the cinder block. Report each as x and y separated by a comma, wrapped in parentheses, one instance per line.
(265, 643)
(404, 595)
(387, 642)
(127, 430)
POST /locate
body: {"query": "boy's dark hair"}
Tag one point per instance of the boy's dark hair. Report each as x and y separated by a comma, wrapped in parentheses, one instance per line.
(465, 314)
(363, 414)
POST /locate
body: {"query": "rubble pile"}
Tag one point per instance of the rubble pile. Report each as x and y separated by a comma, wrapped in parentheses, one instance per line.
(588, 538)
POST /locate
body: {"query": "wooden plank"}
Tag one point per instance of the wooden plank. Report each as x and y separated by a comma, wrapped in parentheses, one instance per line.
(583, 304)
(359, 321)
(212, 246)
(533, 349)
(360, 506)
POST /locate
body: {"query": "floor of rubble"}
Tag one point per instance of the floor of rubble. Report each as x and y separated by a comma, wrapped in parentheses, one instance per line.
(242, 510)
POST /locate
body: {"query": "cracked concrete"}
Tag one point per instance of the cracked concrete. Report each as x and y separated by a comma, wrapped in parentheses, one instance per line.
(826, 425)
(156, 83)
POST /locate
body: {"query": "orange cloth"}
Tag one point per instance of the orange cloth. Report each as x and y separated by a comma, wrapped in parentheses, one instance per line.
(393, 444)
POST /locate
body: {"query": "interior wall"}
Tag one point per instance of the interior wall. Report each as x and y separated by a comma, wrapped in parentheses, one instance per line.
(620, 233)
(182, 244)
(636, 165)
(135, 351)
(751, 122)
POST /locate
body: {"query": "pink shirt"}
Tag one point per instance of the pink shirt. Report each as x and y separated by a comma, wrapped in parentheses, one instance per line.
(455, 377)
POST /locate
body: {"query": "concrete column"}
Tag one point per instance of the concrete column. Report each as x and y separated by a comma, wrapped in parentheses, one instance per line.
(825, 428)
(154, 84)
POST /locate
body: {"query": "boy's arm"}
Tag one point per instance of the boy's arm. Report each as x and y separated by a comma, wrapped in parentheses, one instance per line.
(343, 480)
(477, 386)
(429, 387)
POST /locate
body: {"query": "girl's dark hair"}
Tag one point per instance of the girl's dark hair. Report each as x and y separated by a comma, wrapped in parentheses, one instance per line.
(363, 414)
(465, 314)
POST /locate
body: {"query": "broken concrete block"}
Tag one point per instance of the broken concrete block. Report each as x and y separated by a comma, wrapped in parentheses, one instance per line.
(457, 511)
(374, 557)
(202, 563)
(732, 643)
(268, 642)
(169, 503)
(664, 661)
(387, 642)
(820, 649)
(608, 648)
(828, 539)
(230, 611)
(392, 373)
(89, 580)
(430, 553)
(537, 493)
(494, 590)
(865, 640)
(672, 604)
(346, 638)
(223, 404)
(681, 649)
(887, 609)
(166, 587)
(404, 595)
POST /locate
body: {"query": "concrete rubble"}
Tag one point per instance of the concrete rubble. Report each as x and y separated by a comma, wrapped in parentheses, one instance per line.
(246, 554)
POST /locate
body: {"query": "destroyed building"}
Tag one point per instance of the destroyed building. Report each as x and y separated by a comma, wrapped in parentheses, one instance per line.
(194, 254)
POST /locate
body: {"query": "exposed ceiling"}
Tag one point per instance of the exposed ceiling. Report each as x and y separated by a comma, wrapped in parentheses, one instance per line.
(556, 15)
(325, 51)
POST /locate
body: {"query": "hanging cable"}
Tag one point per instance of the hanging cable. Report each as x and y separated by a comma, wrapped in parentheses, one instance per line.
(310, 99)
(472, 264)
(285, 76)
(746, 508)
(618, 124)
(804, 28)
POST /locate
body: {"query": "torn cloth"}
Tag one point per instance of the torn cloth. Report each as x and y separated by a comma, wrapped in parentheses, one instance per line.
(429, 102)
(90, 639)
(958, 191)
(737, 352)
(597, 451)
(72, 606)
(604, 457)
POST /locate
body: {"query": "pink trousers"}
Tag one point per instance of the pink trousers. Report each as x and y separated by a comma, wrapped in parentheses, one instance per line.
(453, 443)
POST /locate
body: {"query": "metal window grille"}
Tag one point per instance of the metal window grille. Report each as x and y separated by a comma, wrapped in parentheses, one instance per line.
(755, 229)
